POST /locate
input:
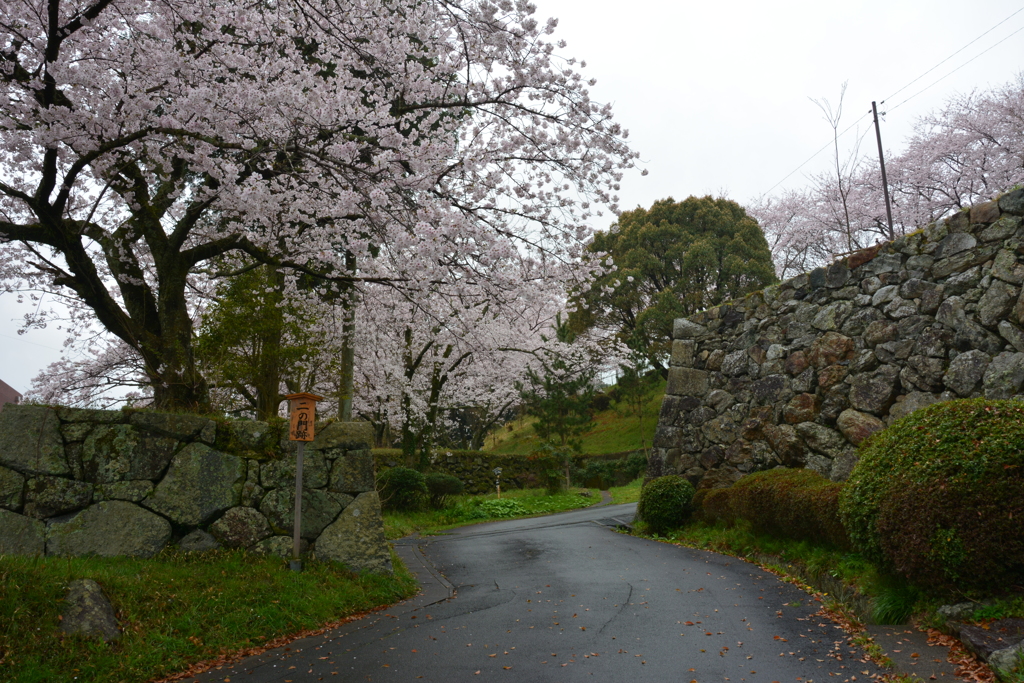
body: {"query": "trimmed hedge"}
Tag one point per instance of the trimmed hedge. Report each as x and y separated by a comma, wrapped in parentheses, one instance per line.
(790, 503)
(939, 496)
(401, 488)
(442, 487)
(665, 503)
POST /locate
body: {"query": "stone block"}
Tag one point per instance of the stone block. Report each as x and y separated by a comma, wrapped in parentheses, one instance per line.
(117, 452)
(722, 429)
(319, 508)
(913, 401)
(52, 496)
(88, 612)
(962, 261)
(12, 489)
(688, 381)
(356, 538)
(857, 426)
(686, 329)
(345, 435)
(281, 473)
(830, 349)
(955, 243)
(108, 529)
(802, 408)
(352, 473)
(20, 535)
(241, 527)
(30, 440)
(682, 353)
(831, 317)
(821, 439)
(875, 392)
(1006, 268)
(1012, 202)
(280, 546)
(923, 372)
(987, 212)
(200, 484)
(1004, 376)
(996, 303)
(1007, 331)
(1000, 230)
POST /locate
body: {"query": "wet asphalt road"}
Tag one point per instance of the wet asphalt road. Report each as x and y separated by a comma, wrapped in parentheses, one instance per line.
(566, 598)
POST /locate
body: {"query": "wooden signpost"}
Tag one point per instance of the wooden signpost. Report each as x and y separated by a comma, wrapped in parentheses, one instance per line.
(302, 414)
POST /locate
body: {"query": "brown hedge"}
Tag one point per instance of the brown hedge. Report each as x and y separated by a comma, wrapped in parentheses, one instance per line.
(788, 503)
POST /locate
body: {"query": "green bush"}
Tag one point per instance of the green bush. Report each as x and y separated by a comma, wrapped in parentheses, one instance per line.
(665, 503)
(787, 503)
(609, 472)
(441, 488)
(939, 496)
(401, 488)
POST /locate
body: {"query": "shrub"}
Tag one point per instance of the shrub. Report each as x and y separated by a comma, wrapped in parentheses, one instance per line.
(441, 487)
(401, 488)
(665, 503)
(939, 495)
(790, 503)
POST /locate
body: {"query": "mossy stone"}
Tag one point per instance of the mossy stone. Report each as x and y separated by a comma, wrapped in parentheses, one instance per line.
(200, 484)
(20, 535)
(109, 529)
(319, 508)
(356, 538)
(30, 440)
(12, 489)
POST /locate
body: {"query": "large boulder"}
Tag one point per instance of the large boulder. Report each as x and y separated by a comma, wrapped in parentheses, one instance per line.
(356, 538)
(352, 473)
(20, 535)
(88, 612)
(240, 527)
(52, 496)
(30, 440)
(107, 529)
(319, 508)
(200, 484)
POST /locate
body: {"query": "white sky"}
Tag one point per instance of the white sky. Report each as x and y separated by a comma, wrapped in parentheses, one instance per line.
(715, 94)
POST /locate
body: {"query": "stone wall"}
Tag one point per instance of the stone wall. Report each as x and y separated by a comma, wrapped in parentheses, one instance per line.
(79, 482)
(800, 373)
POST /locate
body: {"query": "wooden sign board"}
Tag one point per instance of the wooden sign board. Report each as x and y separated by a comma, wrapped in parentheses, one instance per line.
(302, 411)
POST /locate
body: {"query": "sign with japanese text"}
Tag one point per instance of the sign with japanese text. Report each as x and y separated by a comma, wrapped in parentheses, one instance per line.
(302, 411)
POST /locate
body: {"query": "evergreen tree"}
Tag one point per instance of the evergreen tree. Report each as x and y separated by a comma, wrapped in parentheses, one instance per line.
(671, 261)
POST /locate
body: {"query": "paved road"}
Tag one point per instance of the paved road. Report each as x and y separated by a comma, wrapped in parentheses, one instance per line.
(565, 598)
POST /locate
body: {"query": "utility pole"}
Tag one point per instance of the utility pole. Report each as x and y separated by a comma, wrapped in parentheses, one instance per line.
(881, 162)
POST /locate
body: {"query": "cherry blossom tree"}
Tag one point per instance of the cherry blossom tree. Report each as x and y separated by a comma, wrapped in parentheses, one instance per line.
(148, 143)
(967, 152)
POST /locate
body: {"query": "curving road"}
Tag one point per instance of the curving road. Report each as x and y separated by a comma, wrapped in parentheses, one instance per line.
(566, 598)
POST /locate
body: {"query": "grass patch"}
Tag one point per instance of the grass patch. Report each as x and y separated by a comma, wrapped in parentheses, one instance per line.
(175, 610)
(845, 576)
(467, 509)
(614, 431)
(630, 493)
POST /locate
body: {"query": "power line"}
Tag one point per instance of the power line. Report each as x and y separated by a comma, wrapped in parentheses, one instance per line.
(954, 55)
(959, 67)
(846, 130)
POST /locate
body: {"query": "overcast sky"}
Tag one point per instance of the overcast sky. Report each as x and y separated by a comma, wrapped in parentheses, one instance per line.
(716, 94)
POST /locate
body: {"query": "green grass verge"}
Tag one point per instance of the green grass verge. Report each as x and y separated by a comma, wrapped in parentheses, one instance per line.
(467, 509)
(630, 493)
(175, 610)
(614, 431)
